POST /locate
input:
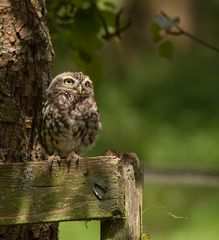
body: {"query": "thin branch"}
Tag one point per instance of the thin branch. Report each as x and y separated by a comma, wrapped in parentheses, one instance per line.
(122, 29)
(118, 17)
(206, 44)
(118, 29)
(181, 31)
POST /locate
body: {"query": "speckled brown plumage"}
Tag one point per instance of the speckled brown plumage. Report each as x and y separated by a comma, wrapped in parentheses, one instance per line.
(70, 116)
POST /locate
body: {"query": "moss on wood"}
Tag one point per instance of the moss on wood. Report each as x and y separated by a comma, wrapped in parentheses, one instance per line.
(31, 193)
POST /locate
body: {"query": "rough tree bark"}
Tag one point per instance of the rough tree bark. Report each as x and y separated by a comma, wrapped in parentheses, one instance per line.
(25, 56)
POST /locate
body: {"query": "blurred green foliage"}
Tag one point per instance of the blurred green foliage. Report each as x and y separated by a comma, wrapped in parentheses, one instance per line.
(194, 212)
(82, 26)
(79, 230)
(166, 49)
(165, 111)
(163, 26)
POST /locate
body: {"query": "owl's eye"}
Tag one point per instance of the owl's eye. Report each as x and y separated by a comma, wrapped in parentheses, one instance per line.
(87, 84)
(68, 81)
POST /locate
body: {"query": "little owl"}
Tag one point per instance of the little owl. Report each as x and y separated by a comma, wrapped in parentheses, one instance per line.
(70, 116)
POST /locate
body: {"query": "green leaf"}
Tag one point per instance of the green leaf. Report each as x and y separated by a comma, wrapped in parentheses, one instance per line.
(109, 17)
(145, 236)
(155, 32)
(85, 31)
(166, 49)
(107, 5)
(79, 3)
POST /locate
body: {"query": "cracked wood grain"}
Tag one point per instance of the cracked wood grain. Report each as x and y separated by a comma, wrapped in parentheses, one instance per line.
(59, 195)
(130, 226)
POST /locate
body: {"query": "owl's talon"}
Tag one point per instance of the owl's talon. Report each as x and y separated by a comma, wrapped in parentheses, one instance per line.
(73, 157)
(68, 164)
(77, 162)
(50, 162)
(59, 163)
(53, 158)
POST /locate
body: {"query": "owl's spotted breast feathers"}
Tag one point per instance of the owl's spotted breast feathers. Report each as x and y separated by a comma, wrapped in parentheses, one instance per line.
(70, 117)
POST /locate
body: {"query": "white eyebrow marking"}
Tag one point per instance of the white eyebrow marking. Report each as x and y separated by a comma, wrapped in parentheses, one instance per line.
(87, 79)
(70, 77)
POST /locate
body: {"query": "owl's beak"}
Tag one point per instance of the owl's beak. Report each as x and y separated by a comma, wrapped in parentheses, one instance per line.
(80, 89)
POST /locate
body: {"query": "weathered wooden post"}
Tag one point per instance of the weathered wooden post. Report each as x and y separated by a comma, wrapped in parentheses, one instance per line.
(128, 227)
(106, 188)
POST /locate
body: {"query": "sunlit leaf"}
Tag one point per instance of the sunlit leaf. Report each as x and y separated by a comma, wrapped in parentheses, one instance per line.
(166, 49)
(145, 236)
(109, 17)
(155, 32)
(106, 5)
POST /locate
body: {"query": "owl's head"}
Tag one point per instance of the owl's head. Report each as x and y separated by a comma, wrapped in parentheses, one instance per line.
(74, 82)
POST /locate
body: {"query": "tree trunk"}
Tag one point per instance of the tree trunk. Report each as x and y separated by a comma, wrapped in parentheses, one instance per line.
(25, 56)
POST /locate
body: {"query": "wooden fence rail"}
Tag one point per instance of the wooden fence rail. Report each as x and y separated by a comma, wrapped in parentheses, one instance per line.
(107, 188)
